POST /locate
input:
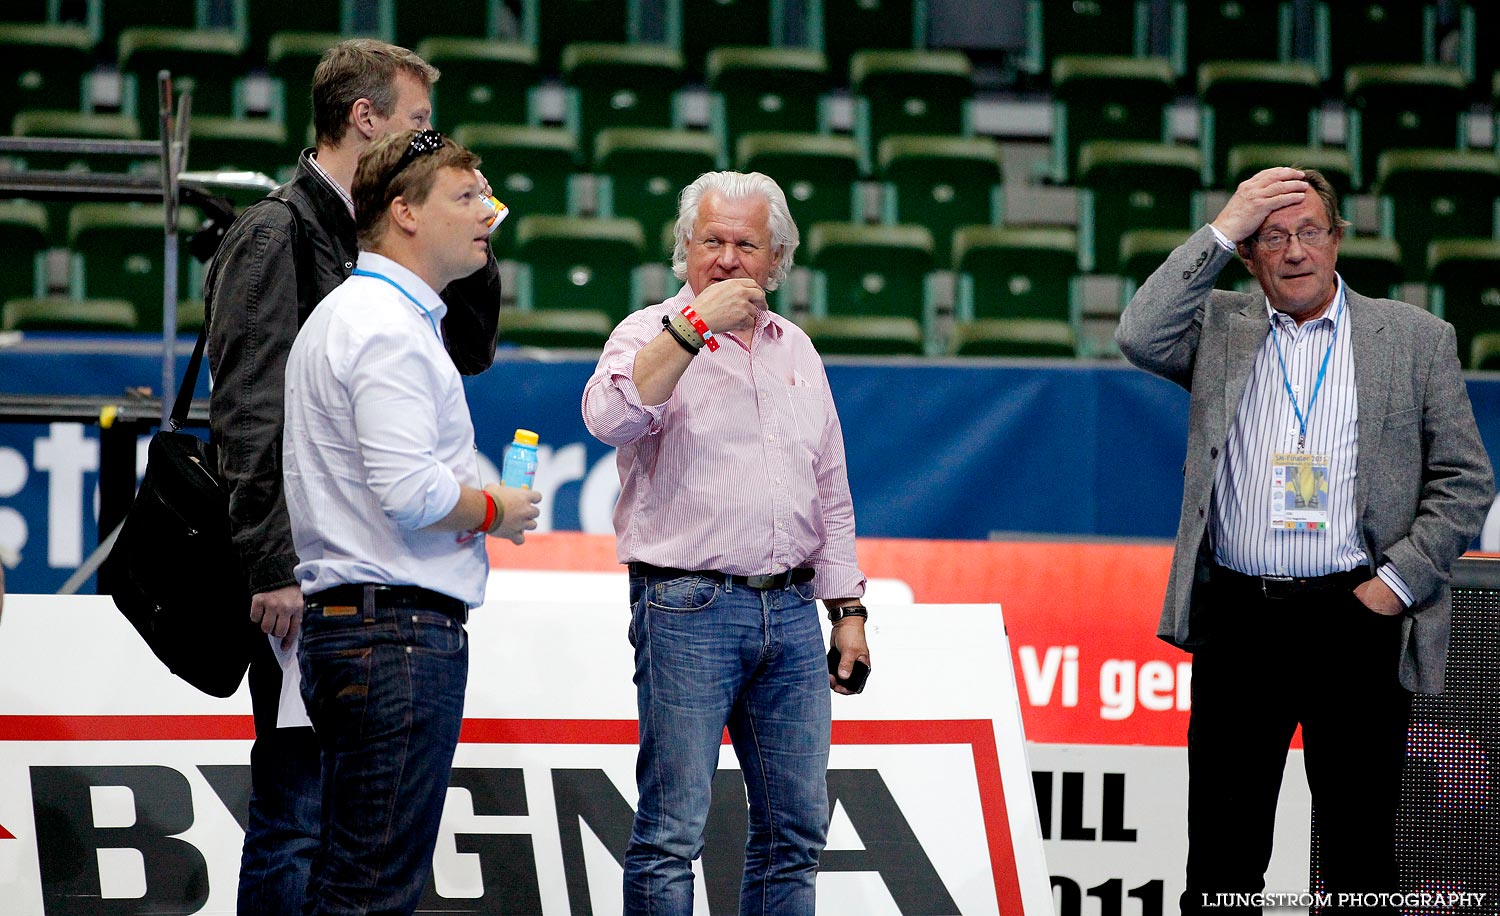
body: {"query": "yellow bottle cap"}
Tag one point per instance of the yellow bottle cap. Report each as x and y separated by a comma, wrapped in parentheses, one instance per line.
(527, 437)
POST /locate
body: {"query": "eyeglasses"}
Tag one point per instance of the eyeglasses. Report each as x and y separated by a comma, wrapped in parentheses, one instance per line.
(1311, 237)
(427, 141)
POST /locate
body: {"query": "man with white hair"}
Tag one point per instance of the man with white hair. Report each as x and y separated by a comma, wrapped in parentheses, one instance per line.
(734, 515)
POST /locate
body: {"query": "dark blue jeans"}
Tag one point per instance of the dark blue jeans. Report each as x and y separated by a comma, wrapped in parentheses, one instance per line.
(709, 655)
(385, 690)
(281, 833)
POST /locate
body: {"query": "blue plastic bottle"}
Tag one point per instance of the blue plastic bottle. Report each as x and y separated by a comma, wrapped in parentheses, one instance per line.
(519, 467)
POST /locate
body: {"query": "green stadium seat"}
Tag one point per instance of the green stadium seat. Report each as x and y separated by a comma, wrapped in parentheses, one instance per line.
(218, 143)
(765, 89)
(942, 183)
(619, 86)
(207, 61)
(23, 238)
(575, 280)
(1350, 32)
(1106, 98)
(80, 124)
(119, 250)
(1255, 102)
(818, 172)
(909, 92)
(549, 25)
(1142, 251)
(1370, 265)
(483, 81)
(265, 18)
(119, 15)
(1465, 291)
(415, 22)
(1436, 194)
(1216, 30)
(1127, 186)
(645, 170)
(190, 316)
(47, 62)
(530, 169)
(1395, 106)
(292, 57)
(1058, 28)
(704, 25)
(842, 28)
(1016, 295)
(1248, 159)
(869, 287)
(63, 314)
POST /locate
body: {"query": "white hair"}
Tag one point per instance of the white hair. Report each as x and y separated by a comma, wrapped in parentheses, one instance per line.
(737, 186)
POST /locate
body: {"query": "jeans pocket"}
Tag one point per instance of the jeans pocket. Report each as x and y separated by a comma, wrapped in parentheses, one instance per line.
(685, 595)
(436, 634)
(805, 590)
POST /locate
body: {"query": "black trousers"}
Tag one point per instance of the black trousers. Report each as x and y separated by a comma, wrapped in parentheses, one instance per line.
(1324, 661)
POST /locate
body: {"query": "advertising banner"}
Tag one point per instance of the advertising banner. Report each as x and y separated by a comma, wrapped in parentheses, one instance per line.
(1059, 451)
(123, 791)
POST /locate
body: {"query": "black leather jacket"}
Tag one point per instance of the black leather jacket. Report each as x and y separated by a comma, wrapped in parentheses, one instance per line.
(260, 288)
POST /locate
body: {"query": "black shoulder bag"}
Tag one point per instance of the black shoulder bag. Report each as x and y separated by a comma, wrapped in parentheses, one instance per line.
(174, 572)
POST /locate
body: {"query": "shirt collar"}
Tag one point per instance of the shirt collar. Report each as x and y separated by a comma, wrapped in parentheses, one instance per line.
(338, 189)
(1333, 314)
(409, 282)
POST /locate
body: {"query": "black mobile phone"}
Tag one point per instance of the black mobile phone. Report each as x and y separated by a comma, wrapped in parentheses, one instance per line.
(855, 683)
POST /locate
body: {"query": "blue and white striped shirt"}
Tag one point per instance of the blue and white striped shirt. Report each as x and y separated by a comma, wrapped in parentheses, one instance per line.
(1265, 423)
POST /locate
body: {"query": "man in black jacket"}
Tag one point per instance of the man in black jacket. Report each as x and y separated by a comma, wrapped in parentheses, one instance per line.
(275, 264)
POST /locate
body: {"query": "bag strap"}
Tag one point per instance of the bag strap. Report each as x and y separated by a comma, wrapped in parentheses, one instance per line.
(189, 382)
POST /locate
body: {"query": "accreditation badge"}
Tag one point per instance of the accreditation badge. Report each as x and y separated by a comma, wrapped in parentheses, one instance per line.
(1299, 491)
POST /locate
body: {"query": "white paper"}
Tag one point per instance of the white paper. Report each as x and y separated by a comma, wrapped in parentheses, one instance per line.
(291, 712)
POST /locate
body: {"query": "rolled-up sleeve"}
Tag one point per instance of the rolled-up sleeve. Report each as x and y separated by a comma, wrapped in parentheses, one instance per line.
(612, 408)
(396, 424)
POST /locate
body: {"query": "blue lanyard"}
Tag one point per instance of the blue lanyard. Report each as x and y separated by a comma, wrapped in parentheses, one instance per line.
(1317, 386)
(358, 272)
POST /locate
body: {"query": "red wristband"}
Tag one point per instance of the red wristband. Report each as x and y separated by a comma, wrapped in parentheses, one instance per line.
(701, 327)
(490, 511)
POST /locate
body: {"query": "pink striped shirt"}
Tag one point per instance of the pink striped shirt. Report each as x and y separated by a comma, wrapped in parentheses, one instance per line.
(742, 469)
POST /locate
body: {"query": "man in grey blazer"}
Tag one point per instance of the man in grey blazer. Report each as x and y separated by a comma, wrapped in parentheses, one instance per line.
(1333, 474)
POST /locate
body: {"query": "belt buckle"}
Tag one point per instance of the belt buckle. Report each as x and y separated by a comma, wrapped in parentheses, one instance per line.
(763, 582)
(1267, 581)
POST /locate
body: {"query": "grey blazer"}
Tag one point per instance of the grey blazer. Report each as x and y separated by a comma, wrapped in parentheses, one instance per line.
(1424, 482)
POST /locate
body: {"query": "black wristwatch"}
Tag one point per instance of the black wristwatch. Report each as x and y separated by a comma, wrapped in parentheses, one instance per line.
(835, 614)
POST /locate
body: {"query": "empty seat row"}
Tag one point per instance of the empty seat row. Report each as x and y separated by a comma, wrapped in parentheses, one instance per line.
(1128, 98)
(1329, 35)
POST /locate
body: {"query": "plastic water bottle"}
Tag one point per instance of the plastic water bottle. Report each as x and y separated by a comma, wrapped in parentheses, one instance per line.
(519, 468)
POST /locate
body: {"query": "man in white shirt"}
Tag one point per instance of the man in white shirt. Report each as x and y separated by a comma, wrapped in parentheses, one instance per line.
(387, 514)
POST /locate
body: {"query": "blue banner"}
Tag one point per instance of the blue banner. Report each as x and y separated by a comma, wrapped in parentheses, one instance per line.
(935, 450)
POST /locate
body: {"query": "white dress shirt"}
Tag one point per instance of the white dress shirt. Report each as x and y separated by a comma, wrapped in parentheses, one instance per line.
(378, 439)
(1266, 422)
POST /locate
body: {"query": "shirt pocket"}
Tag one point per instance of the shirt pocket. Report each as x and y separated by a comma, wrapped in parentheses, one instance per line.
(809, 413)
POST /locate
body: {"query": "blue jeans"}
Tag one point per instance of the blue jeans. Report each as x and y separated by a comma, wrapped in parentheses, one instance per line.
(281, 830)
(385, 691)
(708, 655)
